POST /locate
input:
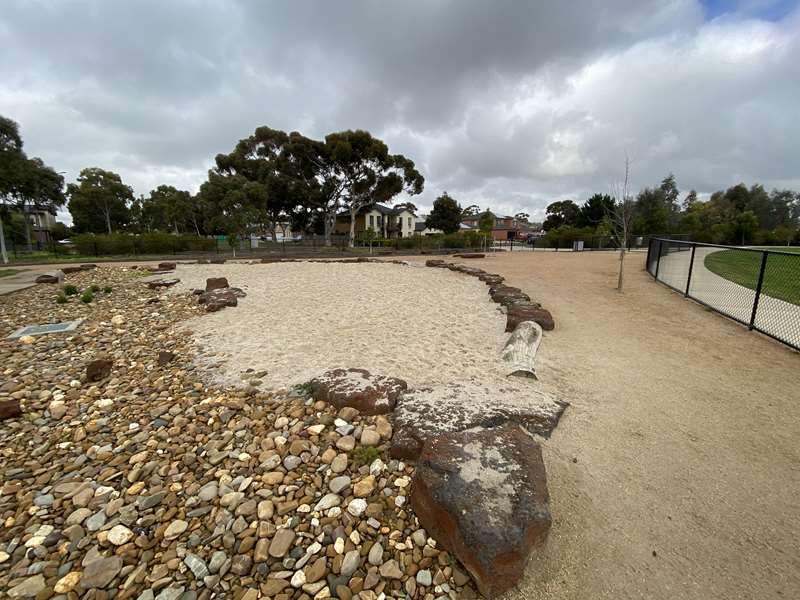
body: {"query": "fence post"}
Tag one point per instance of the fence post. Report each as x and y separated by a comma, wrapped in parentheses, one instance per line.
(658, 262)
(649, 253)
(758, 288)
(691, 266)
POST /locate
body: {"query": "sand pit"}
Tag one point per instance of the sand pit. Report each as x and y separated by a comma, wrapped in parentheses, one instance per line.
(426, 326)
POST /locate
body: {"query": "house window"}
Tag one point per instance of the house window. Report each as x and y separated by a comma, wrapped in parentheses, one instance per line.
(371, 221)
(409, 222)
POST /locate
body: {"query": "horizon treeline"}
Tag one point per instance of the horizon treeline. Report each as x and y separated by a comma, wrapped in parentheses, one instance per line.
(737, 215)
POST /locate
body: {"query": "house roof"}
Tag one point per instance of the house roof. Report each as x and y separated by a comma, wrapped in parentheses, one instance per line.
(384, 210)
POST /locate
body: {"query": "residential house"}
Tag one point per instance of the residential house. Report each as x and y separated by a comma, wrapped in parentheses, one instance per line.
(385, 221)
(41, 223)
(505, 228)
(420, 227)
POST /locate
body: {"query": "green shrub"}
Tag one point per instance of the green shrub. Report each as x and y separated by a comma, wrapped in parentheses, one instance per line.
(95, 288)
(69, 289)
(365, 455)
(61, 299)
(107, 289)
(87, 297)
(147, 243)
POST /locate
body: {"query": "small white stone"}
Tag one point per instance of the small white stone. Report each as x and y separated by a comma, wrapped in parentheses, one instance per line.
(376, 467)
(357, 507)
(298, 579)
(120, 535)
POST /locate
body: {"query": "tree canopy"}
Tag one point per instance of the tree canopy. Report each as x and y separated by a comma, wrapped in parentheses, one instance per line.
(563, 212)
(26, 184)
(99, 201)
(446, 214)
(486, 221)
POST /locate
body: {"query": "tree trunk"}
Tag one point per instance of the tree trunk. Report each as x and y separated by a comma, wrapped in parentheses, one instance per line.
(328, 227)
(3, 242)
(520, 349)
(273, 230)
(28, 241)
(353, 214)
(196, 228)
(621, 267)
(108, 219)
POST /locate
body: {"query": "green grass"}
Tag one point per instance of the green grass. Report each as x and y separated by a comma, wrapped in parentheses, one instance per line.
(781, 276)
(10, 272)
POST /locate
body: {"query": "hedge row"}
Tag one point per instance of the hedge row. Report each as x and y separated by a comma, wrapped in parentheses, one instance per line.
(465, 239)
(147, 243)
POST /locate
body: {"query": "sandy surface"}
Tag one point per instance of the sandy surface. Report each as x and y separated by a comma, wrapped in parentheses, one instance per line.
(685, 427)
(300, 319)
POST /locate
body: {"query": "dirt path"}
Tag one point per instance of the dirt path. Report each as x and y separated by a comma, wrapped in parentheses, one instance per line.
(685, 428)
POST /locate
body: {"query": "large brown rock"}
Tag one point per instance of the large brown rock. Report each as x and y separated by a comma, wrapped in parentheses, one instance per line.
(434, 262)
(218, 299)
(167, 266)
(98, 369)
(424, 414)
(470, 255)
(491, 278)
(517, 313)
(482, 495)
(507, 295)
(164, 358)
(52, 276)
(216, 283)
(162, 283)
(9, 408)
(359, 389)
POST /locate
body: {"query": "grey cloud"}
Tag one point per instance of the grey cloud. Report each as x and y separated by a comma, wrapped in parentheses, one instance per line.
(509, 104)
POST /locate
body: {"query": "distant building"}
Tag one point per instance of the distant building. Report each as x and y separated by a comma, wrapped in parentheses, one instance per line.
(506, 228)
(42, 223)
(386, 222)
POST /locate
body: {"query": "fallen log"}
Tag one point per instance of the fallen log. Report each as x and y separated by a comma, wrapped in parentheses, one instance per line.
(520, 349)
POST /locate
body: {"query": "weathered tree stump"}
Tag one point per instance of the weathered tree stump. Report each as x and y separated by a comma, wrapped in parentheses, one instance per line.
(520, 349)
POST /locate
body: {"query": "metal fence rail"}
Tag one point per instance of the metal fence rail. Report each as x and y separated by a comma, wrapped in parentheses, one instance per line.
(758, 288)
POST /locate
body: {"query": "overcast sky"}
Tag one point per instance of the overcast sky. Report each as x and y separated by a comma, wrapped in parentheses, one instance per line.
(510, 105)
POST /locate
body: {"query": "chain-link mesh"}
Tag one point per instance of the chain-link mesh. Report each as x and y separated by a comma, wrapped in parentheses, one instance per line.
(653, 248)
(778, 312)
(728, 279)
(673, 268)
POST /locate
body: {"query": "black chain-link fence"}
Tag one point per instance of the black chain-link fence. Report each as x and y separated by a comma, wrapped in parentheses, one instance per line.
(759, 288)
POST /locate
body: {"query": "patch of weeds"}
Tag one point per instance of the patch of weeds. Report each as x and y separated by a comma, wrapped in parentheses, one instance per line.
(87, 297)
(69, 289)
(304, 389)
(95, 288)
(107, 289)
(61, 299)
(365, 455)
